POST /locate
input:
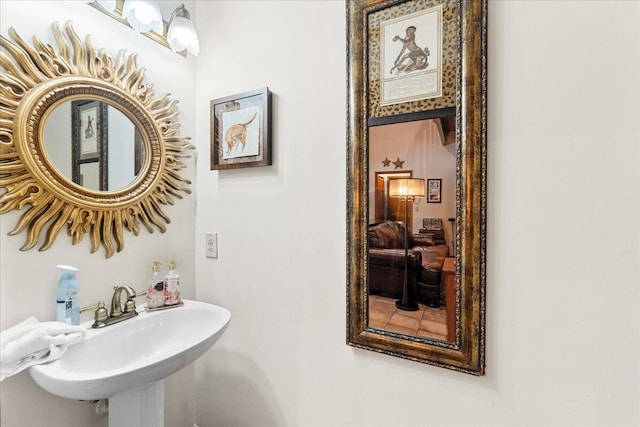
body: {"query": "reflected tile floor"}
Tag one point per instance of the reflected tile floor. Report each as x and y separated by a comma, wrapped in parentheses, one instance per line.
(426, 322)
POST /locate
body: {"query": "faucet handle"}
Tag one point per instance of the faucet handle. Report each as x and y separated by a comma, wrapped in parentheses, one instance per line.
(130, 305)
(100, 316)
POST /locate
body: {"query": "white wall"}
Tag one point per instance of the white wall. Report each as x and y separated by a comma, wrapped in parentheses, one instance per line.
(563, 232)
(121, 146)
(59, 148)
(28, 279)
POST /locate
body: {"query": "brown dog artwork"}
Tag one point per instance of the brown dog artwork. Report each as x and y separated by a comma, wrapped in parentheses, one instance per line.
(235, 137)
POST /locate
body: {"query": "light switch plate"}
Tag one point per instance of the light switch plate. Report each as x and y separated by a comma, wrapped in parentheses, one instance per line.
(211, 244)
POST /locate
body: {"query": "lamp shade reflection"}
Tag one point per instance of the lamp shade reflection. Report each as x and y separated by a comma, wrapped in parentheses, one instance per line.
(406, 188)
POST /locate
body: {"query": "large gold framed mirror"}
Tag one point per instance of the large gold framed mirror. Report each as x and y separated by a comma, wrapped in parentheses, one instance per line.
(85, 143)
(416, 212)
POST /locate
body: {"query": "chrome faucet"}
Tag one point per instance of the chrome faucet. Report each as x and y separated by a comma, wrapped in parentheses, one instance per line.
(102, 318)
(116, 302)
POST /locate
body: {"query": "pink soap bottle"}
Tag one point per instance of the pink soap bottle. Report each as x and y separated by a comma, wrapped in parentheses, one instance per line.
(155, 288)
(172, 285)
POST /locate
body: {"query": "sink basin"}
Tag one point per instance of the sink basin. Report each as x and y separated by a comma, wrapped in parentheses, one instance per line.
(133, 354)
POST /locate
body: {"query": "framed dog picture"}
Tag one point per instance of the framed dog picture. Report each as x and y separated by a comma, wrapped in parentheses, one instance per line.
(241, 130)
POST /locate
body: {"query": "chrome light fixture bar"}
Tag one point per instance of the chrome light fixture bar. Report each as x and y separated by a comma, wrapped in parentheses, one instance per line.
(116, 14)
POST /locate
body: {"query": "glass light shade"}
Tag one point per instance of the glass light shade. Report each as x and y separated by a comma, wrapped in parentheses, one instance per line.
(406, 187)
(108, 5)
(182, 33)
(143, 15)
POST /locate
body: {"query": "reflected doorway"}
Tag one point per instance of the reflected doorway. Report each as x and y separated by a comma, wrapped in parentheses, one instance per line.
(390, 208)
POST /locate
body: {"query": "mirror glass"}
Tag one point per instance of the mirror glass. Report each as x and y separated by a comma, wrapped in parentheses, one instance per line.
(94, 144)
(416, 149)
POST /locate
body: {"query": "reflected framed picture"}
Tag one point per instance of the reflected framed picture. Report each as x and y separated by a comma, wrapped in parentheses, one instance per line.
(434, 190)
(89, 122)
(241, 130)
(89, 149)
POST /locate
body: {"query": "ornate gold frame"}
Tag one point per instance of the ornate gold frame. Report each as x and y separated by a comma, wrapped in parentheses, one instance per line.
(466, 353)
(37, 79)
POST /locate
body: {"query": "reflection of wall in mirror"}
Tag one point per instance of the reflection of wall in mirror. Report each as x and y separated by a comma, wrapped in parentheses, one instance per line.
(57, 138)
(121, 149)
(420, 145)
(90, 176)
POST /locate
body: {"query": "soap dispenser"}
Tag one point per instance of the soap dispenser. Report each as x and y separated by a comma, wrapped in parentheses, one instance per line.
(67, 303)
(155, 288)
(172, 285)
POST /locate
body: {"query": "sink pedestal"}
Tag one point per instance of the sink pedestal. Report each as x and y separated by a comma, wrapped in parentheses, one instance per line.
(140, 407)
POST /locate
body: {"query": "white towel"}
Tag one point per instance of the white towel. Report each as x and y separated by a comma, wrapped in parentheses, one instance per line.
(32, 342)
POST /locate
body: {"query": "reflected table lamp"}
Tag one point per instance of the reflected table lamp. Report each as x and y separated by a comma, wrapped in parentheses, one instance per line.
(406, 189)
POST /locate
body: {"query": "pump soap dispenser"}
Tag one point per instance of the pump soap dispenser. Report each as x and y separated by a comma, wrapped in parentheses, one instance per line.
(155, 288)
(172, 285)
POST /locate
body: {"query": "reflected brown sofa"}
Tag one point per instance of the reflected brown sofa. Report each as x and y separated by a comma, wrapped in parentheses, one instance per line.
(386, 263)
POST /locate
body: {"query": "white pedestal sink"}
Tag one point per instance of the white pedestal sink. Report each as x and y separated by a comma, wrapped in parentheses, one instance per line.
(128, 362)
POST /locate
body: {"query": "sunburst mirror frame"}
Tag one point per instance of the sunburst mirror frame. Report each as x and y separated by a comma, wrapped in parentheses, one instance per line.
(466, 352)
(34, 81)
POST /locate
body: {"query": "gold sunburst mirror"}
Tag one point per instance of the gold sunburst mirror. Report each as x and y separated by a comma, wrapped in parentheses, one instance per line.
(38, 85)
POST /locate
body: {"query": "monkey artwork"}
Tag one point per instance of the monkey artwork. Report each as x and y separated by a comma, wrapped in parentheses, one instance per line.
(411, 57)
(89, 132)
(236, 135)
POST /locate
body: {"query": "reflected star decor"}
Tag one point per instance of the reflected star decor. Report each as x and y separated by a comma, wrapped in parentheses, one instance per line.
(386, 162)
(398, 163)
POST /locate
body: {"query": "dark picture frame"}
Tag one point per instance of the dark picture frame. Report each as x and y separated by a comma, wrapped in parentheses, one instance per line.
(241, 130)
(89, 136)
(434, 190)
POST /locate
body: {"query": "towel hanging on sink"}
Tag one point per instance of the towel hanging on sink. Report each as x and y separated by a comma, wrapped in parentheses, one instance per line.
(32, 342)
